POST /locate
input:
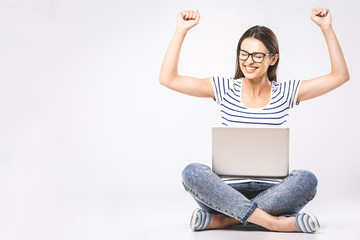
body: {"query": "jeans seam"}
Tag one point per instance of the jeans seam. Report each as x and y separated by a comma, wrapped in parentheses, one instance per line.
(271, 189)
(251, 210)
(306, 202)
(242, 220)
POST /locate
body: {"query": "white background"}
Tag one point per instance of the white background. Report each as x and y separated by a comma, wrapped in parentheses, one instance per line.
(91, 143)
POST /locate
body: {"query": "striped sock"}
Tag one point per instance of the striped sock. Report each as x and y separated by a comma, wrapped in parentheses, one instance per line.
(201, 221)
(307, 222)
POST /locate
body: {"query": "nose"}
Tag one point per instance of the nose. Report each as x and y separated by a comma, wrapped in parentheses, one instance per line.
(249, 61)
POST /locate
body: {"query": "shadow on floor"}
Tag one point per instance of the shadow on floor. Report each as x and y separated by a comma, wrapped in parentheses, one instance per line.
(248, 227)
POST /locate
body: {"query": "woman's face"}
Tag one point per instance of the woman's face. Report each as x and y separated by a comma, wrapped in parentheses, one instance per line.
(255, 69)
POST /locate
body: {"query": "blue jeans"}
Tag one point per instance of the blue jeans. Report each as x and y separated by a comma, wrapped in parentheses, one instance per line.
(240, 200)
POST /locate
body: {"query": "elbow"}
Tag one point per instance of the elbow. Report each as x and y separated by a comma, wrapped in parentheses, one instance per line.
(166, 80)
(346, 74)
(163, 82)
(342, 78)
(347, 77)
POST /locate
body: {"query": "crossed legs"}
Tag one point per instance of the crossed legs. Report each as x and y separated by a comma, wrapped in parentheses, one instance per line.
(229, 206)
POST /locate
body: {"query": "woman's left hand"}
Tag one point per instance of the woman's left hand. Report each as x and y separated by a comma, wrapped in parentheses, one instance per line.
(321, 16)
(339, 73)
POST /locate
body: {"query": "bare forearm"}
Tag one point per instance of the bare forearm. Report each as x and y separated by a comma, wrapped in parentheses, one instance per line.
(337, 59)
(339, 74)
(186, 19)
(169, 68)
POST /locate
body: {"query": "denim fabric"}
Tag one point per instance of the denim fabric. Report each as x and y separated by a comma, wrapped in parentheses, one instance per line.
(239, 200)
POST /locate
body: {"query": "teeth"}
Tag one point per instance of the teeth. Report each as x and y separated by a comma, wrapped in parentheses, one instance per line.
(250, 68)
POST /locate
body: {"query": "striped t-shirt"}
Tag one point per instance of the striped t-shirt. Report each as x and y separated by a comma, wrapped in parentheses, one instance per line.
(227, 93)
(234, 113)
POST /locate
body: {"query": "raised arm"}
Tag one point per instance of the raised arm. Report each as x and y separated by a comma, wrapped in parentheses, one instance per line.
(169, 76)
(339, 72)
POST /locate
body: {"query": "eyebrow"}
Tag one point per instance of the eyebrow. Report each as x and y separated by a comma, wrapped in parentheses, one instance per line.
(252, 52)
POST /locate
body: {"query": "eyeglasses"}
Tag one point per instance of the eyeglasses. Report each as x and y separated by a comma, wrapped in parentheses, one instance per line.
(257, 57)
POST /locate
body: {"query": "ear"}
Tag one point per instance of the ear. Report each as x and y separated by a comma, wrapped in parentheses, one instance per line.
(274, 59)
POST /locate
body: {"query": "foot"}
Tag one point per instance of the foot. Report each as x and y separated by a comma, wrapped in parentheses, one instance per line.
(219, 221)
(304, 222)
(284, 224)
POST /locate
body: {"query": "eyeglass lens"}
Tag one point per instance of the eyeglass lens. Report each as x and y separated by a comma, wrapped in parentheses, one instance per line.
(256, 57)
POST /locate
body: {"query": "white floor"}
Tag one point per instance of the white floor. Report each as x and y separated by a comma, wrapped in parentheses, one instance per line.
(149, 216)
(339, 219)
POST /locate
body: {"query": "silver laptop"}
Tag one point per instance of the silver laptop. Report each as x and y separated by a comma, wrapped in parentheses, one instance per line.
(250, 152)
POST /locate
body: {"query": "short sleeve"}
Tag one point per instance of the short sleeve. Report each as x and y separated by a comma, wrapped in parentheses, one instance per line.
(294, 86)
(221, 86)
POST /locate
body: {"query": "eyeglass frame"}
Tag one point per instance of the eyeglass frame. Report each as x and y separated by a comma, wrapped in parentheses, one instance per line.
(251, 54)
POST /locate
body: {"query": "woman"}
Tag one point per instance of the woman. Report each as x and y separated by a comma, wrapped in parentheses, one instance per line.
(253, 98)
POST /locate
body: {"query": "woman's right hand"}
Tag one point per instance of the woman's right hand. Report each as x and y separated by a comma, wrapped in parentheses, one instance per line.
(187, 19)
(169, 76)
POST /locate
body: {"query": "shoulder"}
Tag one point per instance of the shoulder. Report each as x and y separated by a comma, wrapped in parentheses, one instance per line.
(224, 82)
(222, 79)
(286, 85)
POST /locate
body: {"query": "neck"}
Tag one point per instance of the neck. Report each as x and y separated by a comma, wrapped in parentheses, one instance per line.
(256, 87)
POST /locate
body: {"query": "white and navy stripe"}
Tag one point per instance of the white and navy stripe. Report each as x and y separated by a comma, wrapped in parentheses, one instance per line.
(227, 93)
(200, 220)
(235, 180)
(307, 222)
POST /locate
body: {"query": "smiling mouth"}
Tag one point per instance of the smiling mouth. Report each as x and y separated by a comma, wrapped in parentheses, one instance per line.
(249, 69)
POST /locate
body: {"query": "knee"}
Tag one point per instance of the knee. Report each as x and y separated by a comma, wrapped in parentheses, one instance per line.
(193, 173)
(307, 182)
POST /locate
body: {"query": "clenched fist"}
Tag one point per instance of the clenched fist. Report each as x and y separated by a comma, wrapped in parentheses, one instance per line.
(321, 16)
(187, 19)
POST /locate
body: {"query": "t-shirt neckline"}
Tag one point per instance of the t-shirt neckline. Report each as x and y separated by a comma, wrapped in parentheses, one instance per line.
(240, 80)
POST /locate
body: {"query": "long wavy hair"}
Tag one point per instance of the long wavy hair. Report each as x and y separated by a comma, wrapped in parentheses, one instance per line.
(268, 38)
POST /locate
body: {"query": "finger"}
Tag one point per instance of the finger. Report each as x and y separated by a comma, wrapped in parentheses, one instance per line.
(192, 15)
(182, 14)
(189, 14)
(195, 14)
(197, 18)
(186, 14)
(315, 12)
(327, 12)
(322, 12)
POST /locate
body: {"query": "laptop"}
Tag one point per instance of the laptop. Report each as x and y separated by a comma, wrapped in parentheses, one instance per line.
(250, 152)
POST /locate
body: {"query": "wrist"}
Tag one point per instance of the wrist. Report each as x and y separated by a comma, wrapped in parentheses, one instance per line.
(181, 31)
(325, 27)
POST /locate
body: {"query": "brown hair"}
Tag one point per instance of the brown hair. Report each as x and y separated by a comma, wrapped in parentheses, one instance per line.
(268, 38)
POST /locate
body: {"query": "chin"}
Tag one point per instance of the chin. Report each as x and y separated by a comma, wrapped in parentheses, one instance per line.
(254, 75)
(249, 75)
